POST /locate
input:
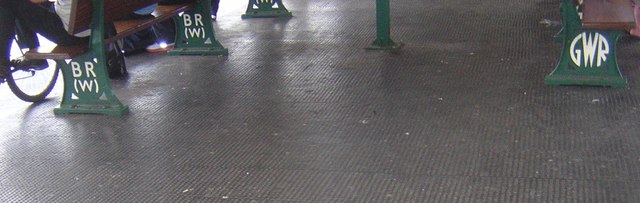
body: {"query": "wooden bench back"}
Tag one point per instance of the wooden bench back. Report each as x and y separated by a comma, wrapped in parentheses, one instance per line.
(607, 14)
(81, 12)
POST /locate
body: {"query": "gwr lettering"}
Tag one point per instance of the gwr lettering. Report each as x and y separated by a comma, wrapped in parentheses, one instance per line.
(594, 46)
(88, 69)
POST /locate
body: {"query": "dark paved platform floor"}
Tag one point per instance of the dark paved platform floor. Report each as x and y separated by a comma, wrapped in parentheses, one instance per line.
(299, 112)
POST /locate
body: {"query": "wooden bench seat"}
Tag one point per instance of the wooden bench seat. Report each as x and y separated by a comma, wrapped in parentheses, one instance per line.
(124, 28)
(607, 15)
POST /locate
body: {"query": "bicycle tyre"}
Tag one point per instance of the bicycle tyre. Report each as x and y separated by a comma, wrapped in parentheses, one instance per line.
(42, 88)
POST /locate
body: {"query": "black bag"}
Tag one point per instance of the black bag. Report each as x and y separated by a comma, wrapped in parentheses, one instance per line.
(116, 66)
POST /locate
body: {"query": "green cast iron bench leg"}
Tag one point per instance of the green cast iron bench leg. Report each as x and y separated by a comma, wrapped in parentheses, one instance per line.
(195, 34)
(86, 82)
(87, 85)
(266, 9)
(588, 56)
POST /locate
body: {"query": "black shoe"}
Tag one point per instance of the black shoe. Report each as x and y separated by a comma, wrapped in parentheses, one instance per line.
(25, 64)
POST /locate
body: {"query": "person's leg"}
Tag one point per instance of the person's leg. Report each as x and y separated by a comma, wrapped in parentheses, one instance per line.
(636, 10)
(7, 33)
(138, 41)
(165, 31)
(43, 20)
(214, 7)
(165, 35)
(30, 19)
(26, 38)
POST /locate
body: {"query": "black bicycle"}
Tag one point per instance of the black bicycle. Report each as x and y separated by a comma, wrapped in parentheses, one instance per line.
(31, 83)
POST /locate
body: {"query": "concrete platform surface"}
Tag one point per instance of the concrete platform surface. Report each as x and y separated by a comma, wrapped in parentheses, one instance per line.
(300, 112)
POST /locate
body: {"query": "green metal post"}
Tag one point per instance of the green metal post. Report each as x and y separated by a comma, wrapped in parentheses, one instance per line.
(195, 34)
(266, 9)
(588, 56)
(87, 87)
(383, 28)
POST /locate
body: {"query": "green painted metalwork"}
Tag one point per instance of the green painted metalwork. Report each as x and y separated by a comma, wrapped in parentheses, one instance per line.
(195, 34)
(558, 37)
(266, 9)
(87, 86)
(383, 28)
(588, 56)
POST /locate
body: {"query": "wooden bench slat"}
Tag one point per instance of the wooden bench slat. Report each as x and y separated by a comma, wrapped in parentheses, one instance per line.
(57, 52)
(123, 28)
(608, 14)
(116, 9)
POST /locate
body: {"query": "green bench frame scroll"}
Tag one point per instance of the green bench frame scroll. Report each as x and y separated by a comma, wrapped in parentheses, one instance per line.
(589, 43)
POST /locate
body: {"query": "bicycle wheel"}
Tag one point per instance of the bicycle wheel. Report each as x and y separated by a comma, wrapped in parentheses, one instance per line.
(32, 85)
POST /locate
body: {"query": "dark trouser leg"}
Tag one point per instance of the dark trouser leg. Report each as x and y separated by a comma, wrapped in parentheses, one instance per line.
(41, 19)
(138, 41)
(214, 7)
(165, 31)
(7, 32)
(26, 38)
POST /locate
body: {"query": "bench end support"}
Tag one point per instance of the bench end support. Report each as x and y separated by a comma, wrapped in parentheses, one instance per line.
(193, 37)
(266, 9)
(215, 51)
(585, 80)
(116, 110)
(594, 65)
